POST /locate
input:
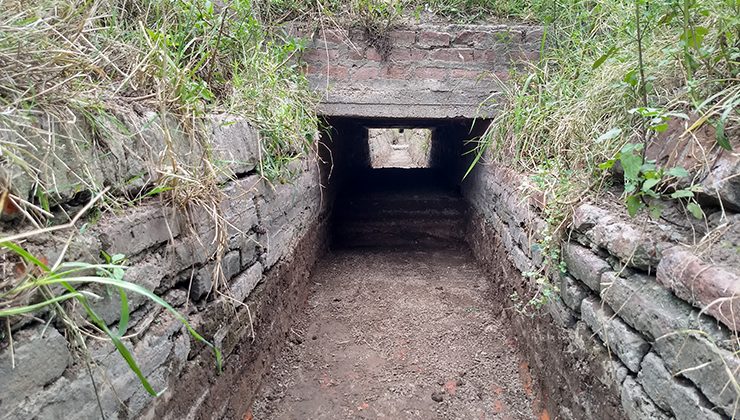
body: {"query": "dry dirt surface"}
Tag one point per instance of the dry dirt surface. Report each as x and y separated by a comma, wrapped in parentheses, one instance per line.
(397, 335)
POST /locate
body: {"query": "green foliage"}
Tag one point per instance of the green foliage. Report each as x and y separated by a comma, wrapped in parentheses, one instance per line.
(611, 77)
(183, 58)
(59, 283)
(473, 10)
(582, 116)
(370, 13)
(643, 178)
(561, 108)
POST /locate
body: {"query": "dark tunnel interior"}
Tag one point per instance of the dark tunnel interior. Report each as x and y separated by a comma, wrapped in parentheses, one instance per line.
(397, 207)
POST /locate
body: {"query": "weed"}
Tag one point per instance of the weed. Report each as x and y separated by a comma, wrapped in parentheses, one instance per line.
(611, 75)
(643, 178)
(182, 59)
(61, 282)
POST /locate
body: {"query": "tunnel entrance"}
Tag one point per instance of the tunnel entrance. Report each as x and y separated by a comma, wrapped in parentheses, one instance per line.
(385, 205)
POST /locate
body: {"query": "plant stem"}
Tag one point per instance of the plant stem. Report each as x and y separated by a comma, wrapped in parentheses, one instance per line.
(642, 89)
(686, 34)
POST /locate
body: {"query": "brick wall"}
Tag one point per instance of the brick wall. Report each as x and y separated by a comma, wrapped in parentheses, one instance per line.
(426, 72)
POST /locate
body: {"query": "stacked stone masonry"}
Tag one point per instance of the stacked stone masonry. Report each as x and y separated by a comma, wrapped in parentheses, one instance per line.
(174, 253)
(660, 317)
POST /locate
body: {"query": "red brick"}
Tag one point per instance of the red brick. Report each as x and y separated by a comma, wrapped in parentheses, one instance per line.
(470, 38)
(407, 55)
(334, 71)
(320, 55)
(366, 73)
(338, 72)
(429, 39)
(403, 38)
(457, 55)
(491, 56)
(431, 73)
(465, 74)
(397, 72)
(373, 55)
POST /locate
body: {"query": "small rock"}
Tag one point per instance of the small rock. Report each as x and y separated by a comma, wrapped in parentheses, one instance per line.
(275, 395)
(439, 288)
(438, 396)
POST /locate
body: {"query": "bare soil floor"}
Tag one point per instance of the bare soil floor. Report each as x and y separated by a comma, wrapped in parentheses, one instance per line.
(397, 334)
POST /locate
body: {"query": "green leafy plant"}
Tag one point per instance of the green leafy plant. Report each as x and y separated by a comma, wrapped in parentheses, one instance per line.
(657, 119)
(643, 178)
(42, 286)
(563, 117)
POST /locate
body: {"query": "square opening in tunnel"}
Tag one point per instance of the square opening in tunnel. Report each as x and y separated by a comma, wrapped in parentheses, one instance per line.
(399, 147)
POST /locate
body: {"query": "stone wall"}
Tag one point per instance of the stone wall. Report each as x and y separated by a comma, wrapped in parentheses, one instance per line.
(125, 150)
(417, 71)
(642, 325)
(271, 236)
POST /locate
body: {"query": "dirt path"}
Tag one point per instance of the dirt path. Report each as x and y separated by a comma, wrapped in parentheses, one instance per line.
(397, 335)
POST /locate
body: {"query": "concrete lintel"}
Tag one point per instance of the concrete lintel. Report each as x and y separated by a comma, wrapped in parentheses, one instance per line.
(431, 111)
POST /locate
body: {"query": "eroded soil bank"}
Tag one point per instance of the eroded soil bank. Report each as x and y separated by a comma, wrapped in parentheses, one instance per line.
(391, 333)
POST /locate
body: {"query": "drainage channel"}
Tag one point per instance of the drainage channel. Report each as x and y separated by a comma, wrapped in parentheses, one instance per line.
(397, 323)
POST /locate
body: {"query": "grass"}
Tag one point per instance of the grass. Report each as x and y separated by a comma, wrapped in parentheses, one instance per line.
(183, 59)
(562, 110)
(348, 12)
(571, 113)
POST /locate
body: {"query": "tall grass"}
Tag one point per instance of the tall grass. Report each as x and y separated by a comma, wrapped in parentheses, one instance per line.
(370, 13)
(573, 110)
(184, 58)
